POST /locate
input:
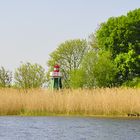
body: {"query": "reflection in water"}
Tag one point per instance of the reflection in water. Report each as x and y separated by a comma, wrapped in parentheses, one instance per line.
(68, 128)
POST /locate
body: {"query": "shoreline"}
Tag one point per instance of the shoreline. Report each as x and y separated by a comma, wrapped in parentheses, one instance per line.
(45, 114)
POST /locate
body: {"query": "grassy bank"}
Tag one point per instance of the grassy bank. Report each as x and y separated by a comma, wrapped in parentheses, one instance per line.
(100, 102)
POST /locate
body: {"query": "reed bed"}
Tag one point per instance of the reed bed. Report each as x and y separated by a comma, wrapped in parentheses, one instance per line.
(102, 102)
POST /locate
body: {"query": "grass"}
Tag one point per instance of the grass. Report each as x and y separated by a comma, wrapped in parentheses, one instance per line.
(94, 102)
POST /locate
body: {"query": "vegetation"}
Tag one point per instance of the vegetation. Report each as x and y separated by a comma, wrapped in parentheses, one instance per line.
(121, 36)
(109, 58)
(99, 70)
(69, 56)
(77, 78)
(5, 77)
(103, 101)
(30, 76)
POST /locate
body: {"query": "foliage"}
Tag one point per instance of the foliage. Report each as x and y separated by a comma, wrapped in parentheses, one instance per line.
(133, 83)
(121, 36)
(69, 56)
(92, 42)
(110, 57)
(105, 71)
(87, 66)
(30, 76)
(77, 78)
(5, 77)
(99, 70)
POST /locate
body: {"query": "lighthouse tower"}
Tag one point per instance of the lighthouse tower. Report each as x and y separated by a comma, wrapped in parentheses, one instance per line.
(55, 78)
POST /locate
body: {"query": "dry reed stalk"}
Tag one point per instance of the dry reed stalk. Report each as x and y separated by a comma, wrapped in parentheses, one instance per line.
(115, 101)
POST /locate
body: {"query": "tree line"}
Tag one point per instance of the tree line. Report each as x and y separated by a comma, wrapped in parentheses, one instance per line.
(26, 76)
(109, 57)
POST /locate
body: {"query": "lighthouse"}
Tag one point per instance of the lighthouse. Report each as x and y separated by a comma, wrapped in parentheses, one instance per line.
(56, 78)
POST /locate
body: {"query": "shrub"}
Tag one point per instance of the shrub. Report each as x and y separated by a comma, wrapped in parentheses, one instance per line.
(30, 76)
(5, 77)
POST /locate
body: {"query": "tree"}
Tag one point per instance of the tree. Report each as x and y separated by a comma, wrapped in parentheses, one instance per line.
(5, 77)
(88, 64)
(99, 70)
(69, 56)
(121, 37)
(92, 42)
(105, 71)
(30, 76)
(77, 78)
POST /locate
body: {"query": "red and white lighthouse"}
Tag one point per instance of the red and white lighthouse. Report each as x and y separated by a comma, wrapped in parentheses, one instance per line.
(55, 76)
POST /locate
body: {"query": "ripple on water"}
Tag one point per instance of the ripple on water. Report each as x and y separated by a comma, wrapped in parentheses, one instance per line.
(68, 128)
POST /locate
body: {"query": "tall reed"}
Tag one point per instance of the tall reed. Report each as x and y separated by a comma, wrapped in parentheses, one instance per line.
(106, 101)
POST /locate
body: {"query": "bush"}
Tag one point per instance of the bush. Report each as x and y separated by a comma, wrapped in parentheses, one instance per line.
(30, 76)
(5, 77)
(133, 83)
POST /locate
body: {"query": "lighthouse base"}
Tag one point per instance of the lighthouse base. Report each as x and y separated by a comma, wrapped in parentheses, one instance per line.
(56, 83)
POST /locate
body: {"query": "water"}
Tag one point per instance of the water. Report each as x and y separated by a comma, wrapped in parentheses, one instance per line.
(68, 128)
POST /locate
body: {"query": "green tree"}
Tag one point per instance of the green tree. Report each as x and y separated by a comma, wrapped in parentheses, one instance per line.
(121, 36)
(92, 42)
(77, 78)
(30, 76)
(5, 77)
(105, 71)
(88, 64)
(99, 70)
(69, 56)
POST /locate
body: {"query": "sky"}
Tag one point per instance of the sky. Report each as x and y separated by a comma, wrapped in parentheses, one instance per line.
(31, 29)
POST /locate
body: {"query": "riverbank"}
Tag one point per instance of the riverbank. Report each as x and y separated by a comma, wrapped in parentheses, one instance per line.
(115, 102)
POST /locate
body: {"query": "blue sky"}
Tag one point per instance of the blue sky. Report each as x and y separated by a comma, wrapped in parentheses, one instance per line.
(31, 29)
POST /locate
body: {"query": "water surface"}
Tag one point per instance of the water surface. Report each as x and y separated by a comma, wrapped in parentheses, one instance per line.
(68, 128)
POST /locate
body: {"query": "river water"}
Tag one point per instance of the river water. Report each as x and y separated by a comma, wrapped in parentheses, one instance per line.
(68, 128)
